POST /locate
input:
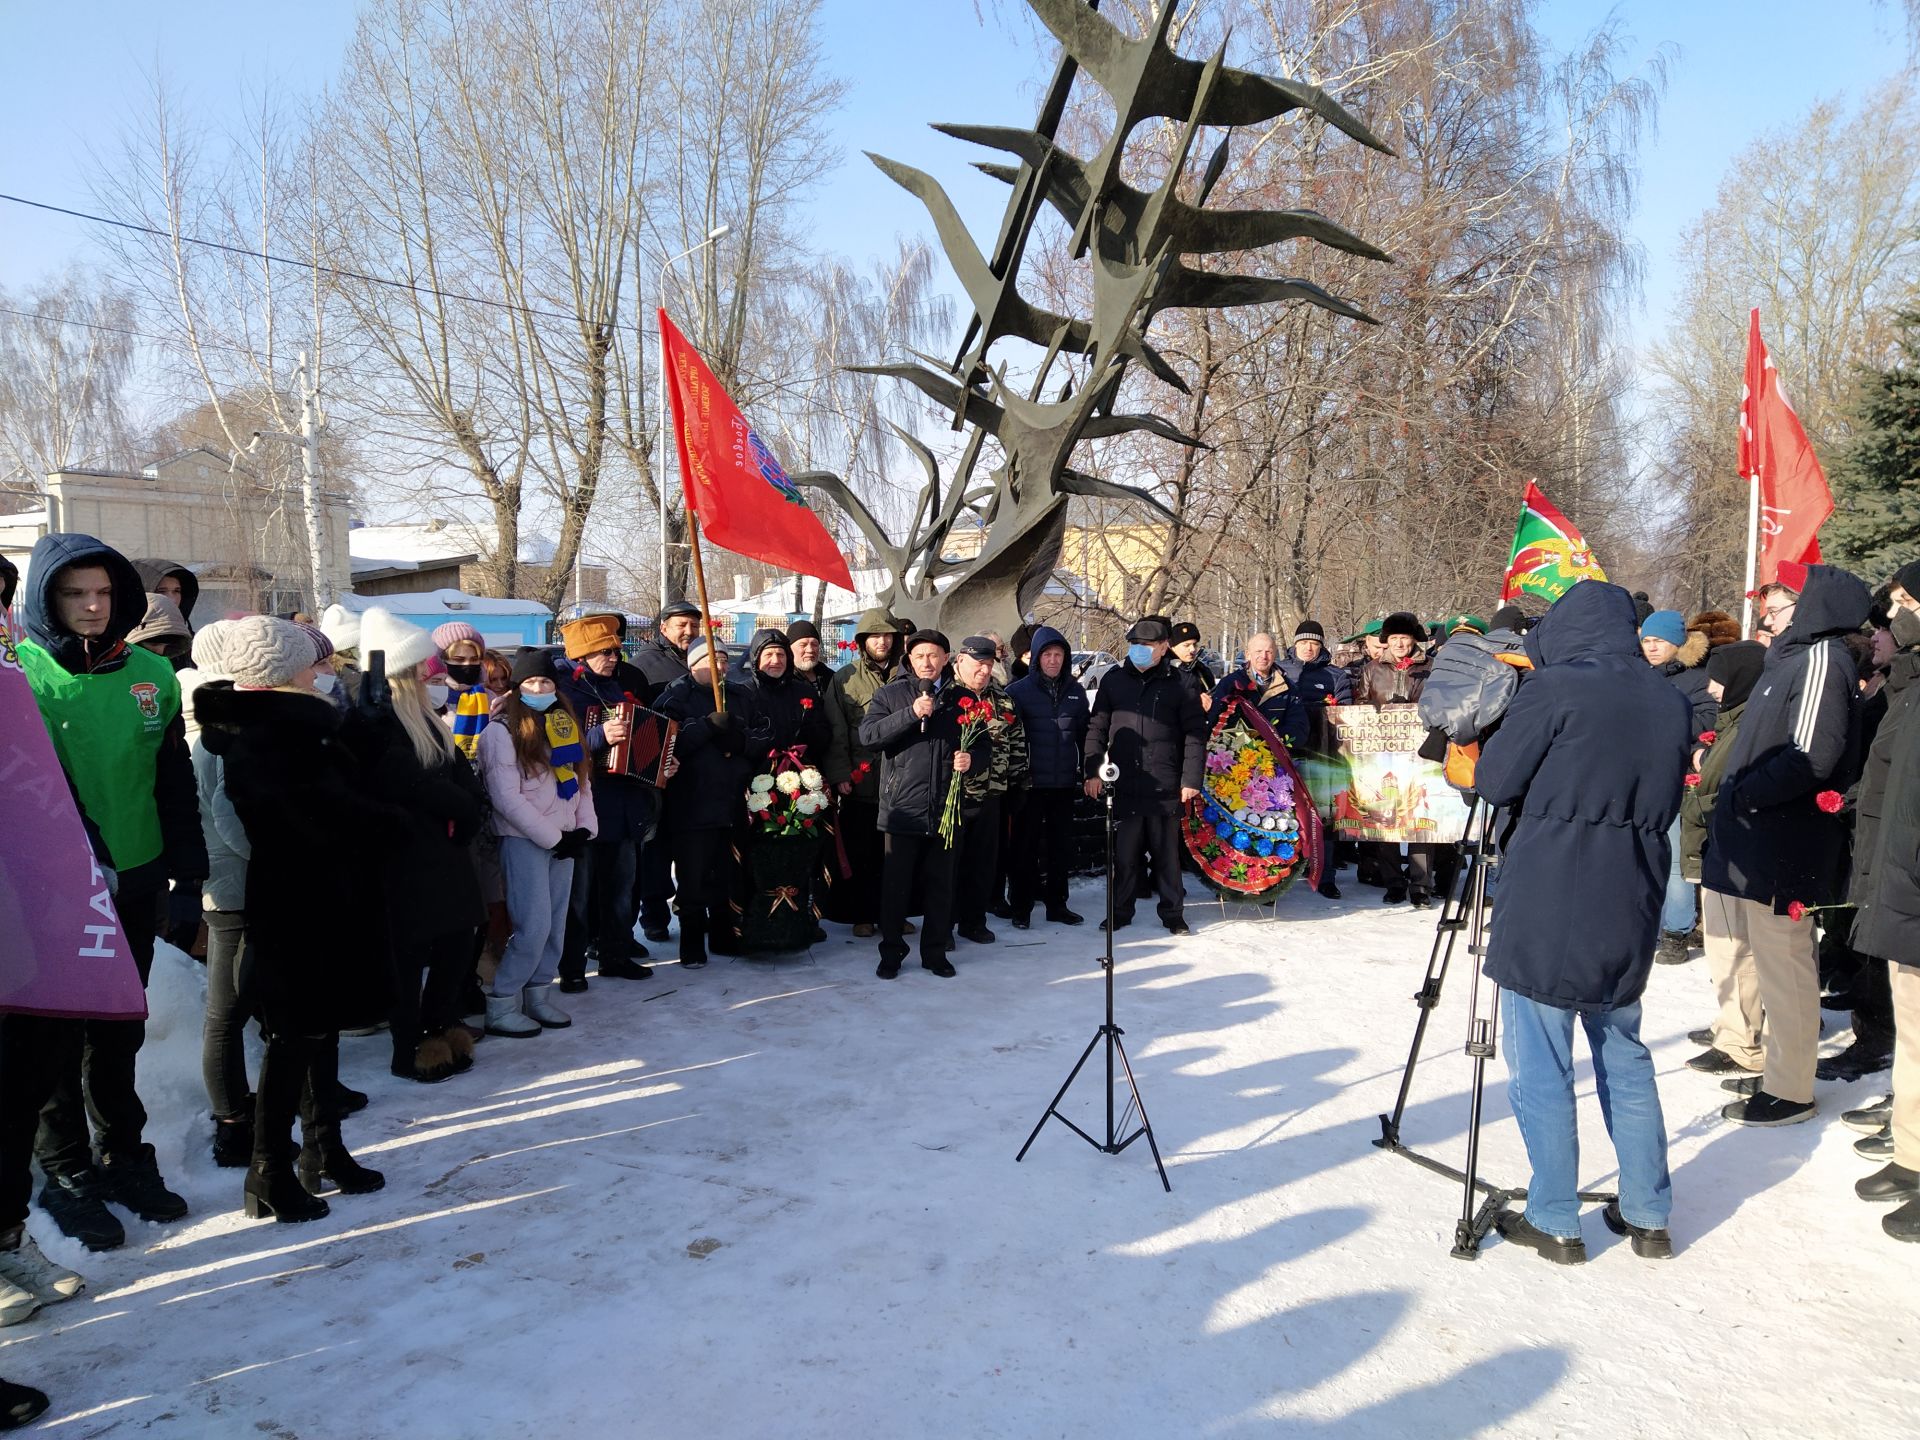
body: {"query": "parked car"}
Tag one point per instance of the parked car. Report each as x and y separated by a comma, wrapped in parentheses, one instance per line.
(1084, 660)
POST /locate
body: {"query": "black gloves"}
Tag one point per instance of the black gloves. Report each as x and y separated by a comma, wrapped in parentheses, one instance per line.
(573, 844)
(725, 738)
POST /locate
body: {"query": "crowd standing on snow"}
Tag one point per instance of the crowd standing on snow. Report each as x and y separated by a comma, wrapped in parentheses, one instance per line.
(1653, 770)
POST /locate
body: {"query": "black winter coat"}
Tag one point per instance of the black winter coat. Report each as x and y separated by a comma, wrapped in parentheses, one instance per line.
(661, 663)
(795, 715)
(1688, 672)
(1767, 839)
(1886, 836)
(432, 887)
(709, 791)
(916, 765)
(624, 806)
(1316, 685)
(1054, 714)
(320, 845)
(1153, 728)
(1591, 754)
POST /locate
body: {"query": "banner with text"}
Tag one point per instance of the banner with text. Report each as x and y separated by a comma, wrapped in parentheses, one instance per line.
(1375, 786)
(62, 951)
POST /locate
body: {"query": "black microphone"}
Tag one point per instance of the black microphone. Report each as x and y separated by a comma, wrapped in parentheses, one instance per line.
(926, 687)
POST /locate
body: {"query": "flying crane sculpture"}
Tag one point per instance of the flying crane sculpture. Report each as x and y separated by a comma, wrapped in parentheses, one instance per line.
(1135, 242)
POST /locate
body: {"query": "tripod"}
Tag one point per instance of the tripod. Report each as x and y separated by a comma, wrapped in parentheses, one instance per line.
(1463, 907)
(1110, 1033)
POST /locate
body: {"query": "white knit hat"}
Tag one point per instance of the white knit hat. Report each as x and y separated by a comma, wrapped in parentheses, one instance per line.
(342, 626)
(210, 647)
(404, 645)
(261, 652)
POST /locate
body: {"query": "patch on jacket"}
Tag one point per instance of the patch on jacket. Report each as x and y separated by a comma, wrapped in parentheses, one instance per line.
(147, 695)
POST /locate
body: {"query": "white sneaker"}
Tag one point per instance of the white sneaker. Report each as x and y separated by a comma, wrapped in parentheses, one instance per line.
(16, 1304)
(504, 1018)
(541, 1009)
(28, 1268)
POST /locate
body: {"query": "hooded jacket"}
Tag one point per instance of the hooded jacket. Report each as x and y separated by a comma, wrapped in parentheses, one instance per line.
(1152, 725)
(152, 572)
(1768, 840)
(1316, 685)
(163, 621)
(796, 715)
(1687, 671)
(853, 688)
(1054, 715)
(1696, 806)
(1591, 755)
(113, 712)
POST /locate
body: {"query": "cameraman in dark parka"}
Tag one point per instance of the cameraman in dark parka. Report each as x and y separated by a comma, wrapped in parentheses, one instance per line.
(1591, 756)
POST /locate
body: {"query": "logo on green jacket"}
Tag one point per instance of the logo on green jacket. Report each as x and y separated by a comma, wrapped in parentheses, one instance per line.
(147, 695)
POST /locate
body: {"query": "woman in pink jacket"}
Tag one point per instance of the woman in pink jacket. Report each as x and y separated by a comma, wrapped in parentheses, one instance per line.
(535, 766)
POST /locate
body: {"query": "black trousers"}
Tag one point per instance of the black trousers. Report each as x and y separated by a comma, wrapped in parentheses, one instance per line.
(1042, 851)
(979, 855)
(854, 899)
(94, 1068)
(1414, 871)
(1132, 836)
(31, 1050)
(600, 909)
(427, 986)
(703, 870)
(223, 1056)
(917, 868)
(300, 1074)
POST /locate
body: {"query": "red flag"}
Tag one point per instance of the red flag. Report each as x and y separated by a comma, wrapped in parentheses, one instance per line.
(742, 496)
(1775, 455)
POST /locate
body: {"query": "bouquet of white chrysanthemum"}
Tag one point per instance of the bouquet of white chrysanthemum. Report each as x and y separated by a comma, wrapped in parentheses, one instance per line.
(788, 802)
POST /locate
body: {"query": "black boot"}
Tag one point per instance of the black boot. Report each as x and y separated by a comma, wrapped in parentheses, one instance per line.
(133, 1179)
(323, 1154)
(1647, 1244)
(77, 1201)
(20, 1405)
(233, 1139)
(1518, 1230)
(272, 1188)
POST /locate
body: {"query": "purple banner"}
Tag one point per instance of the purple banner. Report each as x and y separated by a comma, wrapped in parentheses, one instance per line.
(62, 951)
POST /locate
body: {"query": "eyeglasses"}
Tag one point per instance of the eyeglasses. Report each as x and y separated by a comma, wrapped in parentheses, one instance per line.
(1774, 612)
(614, 653)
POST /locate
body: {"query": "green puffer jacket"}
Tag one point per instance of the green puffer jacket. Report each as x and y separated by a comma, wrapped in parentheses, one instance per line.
(1697, 804)
(852, 690)
(1007, 770)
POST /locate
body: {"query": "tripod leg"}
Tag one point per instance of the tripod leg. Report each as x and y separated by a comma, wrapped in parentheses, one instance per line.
(1482, 1035)
(1146, 1125)
(1054, 1104)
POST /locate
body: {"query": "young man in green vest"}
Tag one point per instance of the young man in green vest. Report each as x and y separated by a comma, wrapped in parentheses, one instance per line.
(113, 711)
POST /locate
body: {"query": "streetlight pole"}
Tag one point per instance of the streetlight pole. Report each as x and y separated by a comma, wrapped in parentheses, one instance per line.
(660, 444)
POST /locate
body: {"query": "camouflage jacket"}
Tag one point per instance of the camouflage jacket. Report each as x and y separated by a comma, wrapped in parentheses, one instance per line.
(1007, 770)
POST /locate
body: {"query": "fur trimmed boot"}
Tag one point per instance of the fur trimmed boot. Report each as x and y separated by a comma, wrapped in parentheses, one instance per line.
(460, 1045)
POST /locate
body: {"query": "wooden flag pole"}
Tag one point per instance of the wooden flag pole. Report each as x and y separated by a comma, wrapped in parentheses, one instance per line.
(706, 616)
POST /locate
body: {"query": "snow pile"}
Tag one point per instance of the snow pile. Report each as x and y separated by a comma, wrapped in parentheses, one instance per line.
(780, 1200)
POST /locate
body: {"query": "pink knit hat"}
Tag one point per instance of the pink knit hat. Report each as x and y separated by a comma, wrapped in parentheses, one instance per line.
(445, 635)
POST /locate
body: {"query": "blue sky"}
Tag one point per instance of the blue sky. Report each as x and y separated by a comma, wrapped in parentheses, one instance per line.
(1743, 68)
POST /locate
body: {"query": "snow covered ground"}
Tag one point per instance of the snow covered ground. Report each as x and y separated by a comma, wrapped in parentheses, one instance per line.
(781, 1200)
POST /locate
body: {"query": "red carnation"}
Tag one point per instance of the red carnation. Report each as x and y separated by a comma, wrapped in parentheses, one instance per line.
(1829, 801)
(1692, 780)
(1796, 911)
(805, 703)
(1707, 737)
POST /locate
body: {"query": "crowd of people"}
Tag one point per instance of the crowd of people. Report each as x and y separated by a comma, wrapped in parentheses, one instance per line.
(239, 776)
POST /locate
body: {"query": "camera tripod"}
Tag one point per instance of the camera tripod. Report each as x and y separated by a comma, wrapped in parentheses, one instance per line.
(1463, 906)
(1110, 1034)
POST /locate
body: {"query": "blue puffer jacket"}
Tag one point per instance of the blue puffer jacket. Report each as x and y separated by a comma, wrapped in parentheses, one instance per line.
(1054, 715)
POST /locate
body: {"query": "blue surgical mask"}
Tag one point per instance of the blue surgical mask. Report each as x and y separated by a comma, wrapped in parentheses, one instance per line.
(1140, 656)
(539, 702)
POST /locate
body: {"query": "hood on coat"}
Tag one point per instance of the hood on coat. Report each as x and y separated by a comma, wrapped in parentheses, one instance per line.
(1737, 667)
(1835, 602)
(875, 622)
(763, 641)
(1694, 652)
(152, 572)
(163, 621)
(62, 551)
(284, 719)
(1591, 620)
(1043, 636)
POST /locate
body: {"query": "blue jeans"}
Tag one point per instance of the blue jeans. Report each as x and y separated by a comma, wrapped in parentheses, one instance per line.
(1676, 912)
(1539, 1050)
(539, 887)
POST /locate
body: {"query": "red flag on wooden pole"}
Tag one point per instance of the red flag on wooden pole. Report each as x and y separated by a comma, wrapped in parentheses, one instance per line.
(739, 492)
(1790, 495)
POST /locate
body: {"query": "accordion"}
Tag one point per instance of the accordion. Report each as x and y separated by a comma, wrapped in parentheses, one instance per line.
(648, 745)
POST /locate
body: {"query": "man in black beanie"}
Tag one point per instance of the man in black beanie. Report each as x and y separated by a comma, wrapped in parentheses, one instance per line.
(803, 637)
(1186, 659)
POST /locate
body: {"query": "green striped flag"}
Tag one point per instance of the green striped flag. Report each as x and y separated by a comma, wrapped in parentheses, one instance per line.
(1550, 556)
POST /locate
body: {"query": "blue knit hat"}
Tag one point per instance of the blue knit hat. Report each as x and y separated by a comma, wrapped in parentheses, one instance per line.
(1667, 625)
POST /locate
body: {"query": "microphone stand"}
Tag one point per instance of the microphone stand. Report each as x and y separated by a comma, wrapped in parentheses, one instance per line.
(1110, 1033)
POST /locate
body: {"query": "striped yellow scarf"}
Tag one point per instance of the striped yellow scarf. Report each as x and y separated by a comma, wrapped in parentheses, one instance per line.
(564, 752)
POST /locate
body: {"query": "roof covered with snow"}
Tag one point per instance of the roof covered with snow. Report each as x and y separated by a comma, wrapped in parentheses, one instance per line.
(453, 603)
(429, 541)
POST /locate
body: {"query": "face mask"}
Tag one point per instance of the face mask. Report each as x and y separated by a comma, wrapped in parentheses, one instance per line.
(1140, 656)
(323, 684)
(437, 696)
(1905, 626)
(539, 702)
(464, 674)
